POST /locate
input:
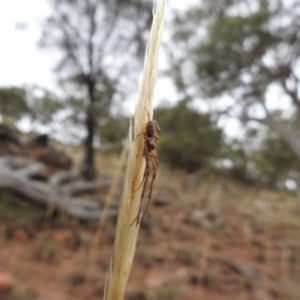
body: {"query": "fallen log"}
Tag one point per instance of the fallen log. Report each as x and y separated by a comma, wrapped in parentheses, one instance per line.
(16, 176)
(60, 178)
(82, 187)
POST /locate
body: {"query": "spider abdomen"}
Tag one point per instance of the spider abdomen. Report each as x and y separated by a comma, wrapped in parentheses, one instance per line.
(150, 144)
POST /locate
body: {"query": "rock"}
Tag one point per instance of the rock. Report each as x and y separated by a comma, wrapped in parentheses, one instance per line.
(161, 202)
(247, 271)
(242, 269)
(199, 218)
(6, 284)
(263, 206)
(260, 294)
(157, 278)
(42, 140)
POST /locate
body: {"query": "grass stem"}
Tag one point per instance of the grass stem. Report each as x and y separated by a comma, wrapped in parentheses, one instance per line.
(126, 235)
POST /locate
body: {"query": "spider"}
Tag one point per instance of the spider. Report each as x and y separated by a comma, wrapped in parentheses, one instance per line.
(152, 133)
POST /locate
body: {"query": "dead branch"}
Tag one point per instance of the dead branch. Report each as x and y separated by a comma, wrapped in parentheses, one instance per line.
(60, 178)
(16, 176)
(82, 187)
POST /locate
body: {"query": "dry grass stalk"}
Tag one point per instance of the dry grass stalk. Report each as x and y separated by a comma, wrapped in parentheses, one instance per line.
(205, 250)
(126, 235)
(99, 234)
(284, 262)
(110, 195)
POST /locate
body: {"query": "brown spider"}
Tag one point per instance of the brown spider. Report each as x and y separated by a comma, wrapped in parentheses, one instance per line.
(152, 133)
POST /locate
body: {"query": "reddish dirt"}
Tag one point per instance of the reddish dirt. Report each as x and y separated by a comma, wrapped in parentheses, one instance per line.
(206, 238)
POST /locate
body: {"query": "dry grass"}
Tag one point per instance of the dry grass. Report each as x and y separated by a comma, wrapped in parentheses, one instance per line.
(110, 195)
(126, 232)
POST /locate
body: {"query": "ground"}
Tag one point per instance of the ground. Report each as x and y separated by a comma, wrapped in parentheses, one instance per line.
(204, 237)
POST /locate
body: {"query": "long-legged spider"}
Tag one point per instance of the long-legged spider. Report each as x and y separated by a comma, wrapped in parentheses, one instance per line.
(149, 152)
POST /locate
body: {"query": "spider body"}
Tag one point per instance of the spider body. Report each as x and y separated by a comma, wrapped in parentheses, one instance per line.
(150, 144)
(149, 152)
(152, 129)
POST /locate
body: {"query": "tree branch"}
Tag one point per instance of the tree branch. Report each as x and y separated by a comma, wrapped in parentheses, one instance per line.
(293, 95)
(14, 172)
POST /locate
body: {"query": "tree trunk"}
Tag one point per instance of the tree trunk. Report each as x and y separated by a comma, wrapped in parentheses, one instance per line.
(88, 171)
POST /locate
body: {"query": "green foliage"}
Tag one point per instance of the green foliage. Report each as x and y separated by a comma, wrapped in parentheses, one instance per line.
(239, 50)
(272, 164)
(112, 131)
(94, 58)
(17, 102)
(234, 161)
(13, 102)
(17, 294)
(189, 140)
(229, 53)
(11, 207)
(43, 105)
(276, 163)
(234, 45)
(248, 53)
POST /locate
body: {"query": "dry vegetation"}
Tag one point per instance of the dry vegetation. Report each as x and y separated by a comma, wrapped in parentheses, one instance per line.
(204, 237)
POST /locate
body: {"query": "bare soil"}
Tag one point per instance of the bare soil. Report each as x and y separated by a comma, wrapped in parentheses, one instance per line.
(204, 237)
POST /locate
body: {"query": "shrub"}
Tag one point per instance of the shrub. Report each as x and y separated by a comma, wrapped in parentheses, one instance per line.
(189, 140)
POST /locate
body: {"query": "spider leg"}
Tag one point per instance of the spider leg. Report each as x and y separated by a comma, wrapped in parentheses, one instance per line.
(155, 166)
(137, 219)
(154, 160)
(139, 135)
(146, 153)
(147, 113)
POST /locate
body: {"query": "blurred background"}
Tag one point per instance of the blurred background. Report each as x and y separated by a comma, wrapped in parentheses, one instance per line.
(224, 219)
